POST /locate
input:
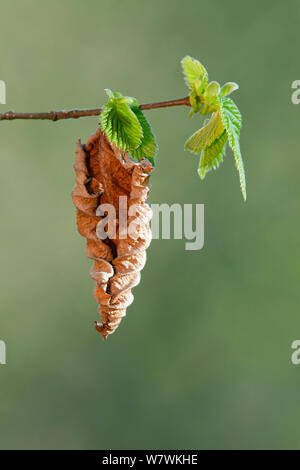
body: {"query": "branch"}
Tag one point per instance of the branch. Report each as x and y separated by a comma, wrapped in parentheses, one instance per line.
(78, 113)
(166, 104)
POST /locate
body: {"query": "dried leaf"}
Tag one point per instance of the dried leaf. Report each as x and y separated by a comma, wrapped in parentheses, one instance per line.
(103, 174)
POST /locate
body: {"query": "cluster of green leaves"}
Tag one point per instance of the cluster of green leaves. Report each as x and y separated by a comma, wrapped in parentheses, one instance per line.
(127, 127)
(223, 126)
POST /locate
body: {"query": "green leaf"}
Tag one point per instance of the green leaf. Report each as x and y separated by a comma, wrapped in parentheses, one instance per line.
(228, 88)
(212, 156)
(113, 94)
(232, 121)
(147, 147)
(195, 103)
(126, 126)
(193, 70)
(206, 135)
(120, 123)
(212, 90)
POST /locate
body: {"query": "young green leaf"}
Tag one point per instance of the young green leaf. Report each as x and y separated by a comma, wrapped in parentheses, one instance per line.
(126, 126)
(228, 88)
(212, 90)
(193, 70)
(195, 102)
(232, 121)
(212, 156)
(120, 123)
(206, 135)
(147, 147)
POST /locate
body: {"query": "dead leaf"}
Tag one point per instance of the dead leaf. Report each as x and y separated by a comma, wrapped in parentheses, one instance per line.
(103, 174)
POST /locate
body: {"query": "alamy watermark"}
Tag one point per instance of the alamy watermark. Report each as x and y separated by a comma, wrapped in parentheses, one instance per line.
(186, 222)
(2, 352)
(295, 96)
(295, 357)
(2, 92)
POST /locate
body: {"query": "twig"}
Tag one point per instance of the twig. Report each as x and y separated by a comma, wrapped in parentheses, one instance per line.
(166, 104)
(78, 113)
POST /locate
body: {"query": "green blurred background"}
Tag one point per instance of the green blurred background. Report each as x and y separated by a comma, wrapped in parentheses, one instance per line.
(202, 359)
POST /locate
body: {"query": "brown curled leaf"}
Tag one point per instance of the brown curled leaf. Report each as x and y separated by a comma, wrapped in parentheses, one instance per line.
(103, 174)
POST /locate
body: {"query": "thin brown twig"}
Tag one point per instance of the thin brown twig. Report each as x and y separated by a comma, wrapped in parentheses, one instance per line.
(78, 113)
(166, 104)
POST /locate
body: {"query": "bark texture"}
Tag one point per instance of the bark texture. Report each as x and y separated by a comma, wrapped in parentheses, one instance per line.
(103, 174)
